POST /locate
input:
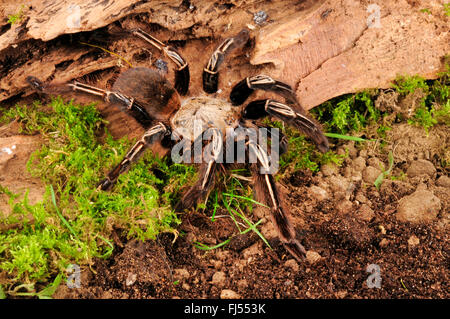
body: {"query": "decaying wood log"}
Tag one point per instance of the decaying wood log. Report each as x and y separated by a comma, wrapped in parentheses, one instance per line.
(322, 48)
(339, 47)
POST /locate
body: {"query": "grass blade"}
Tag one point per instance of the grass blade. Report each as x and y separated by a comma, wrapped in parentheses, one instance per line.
(65, 222)
(346, 137)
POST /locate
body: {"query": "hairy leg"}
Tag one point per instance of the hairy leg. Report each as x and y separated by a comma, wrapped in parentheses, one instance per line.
(261, 108)
(182, 75)
(211, 70)
(125, 103)
(266, 192)
(207, 172)
(247, 86)
(150, 137)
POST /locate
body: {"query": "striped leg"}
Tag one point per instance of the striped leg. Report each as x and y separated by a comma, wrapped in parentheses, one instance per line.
(266, 192)
(126, 103)
(260, 108)
(182, 75)
(247, 86)
(151, 136)
(211, 70)
(207, 172)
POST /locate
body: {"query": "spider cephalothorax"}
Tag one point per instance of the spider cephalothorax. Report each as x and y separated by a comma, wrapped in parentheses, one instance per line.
(147, 96)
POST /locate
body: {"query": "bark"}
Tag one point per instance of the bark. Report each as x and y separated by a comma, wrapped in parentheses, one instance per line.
(322, 48)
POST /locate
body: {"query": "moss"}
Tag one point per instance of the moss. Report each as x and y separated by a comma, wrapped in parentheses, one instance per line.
(74, 222)
(16, 18)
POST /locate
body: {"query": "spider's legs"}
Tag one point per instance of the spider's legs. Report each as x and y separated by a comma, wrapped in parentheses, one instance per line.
(125, 103)
(211, 70)
(260, 108)
(182, 76)
(267, 193)
(247, 86)
(207, 172)
(280, 138)
(151, 136)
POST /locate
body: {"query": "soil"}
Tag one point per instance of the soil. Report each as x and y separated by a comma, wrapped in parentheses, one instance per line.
(341, 218)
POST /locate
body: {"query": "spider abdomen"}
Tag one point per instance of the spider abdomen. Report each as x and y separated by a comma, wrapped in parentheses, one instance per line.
(149, 89)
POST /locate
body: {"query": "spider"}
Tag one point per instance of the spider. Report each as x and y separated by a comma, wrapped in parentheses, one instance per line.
(148, 96)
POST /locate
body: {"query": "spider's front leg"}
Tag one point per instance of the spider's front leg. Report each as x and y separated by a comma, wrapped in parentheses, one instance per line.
(182, 75)
(241, 91)
(293, 113)
(207, 172)
(266, 192)
(261, 108)
(125, 103)
(150, 137)
(211, 70)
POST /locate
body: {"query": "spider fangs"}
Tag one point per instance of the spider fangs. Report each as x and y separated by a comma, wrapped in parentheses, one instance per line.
(148, 97)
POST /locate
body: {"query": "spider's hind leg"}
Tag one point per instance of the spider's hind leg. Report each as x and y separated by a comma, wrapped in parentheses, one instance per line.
(124, 102)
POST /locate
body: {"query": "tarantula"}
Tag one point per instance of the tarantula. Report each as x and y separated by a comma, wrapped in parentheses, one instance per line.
(147, 96)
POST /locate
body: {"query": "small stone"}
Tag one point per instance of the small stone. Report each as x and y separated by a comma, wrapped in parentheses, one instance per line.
(268, 231)
(181, 273)
(329, 169)
(365, 213)
(384, 242)
(217, 264)
(421, 167)
(219, 278)
(186, 287)
(420, 207)
(413, 241)
(229, 294)
(292, 263)
(361, 198)
(223, 254)
(338, 184)
(363, 153)
(288, 282)
(352, 151)
(421, 187)
(318, 193)
(131, 279)
(443, 181)
(341, 294)
(242, 284)
(344, 206)
(255, 248)
(359, 164)
(312, 257)
(375, 163)
(370, 174)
